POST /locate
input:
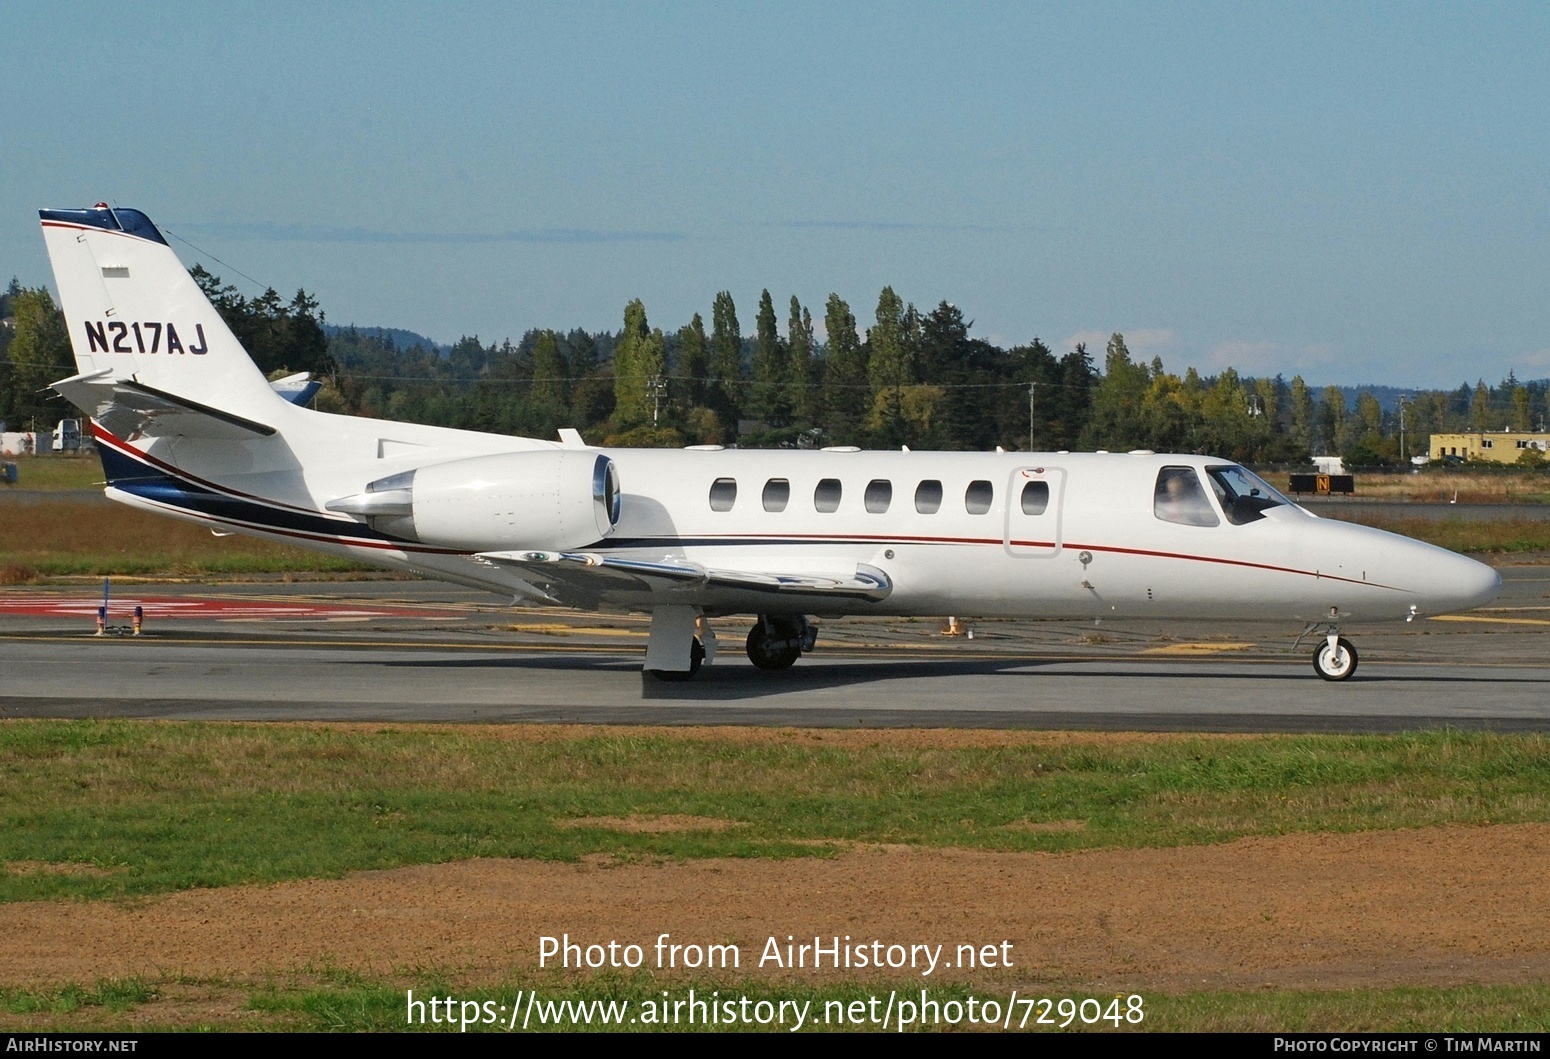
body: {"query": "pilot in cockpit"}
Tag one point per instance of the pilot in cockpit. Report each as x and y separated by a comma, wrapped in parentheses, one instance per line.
(1180, 499)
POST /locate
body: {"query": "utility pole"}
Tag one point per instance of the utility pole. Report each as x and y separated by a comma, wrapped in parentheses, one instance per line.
(1402, 429)
(1031, 387)
(657, 386)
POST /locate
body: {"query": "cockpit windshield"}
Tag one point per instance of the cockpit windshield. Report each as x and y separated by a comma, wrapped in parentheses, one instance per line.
(1244, 496)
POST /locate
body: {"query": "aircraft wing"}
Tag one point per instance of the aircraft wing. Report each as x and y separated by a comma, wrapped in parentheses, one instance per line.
(130, 409)
(577, 577)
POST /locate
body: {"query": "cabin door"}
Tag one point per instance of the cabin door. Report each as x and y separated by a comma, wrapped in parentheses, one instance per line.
(1033, 503)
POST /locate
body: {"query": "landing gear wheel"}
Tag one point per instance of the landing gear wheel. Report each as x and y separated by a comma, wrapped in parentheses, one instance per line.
(775, 652)
(696, 659)
(1336, 664)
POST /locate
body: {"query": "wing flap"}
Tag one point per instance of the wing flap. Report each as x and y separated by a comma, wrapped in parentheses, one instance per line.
(592, 575)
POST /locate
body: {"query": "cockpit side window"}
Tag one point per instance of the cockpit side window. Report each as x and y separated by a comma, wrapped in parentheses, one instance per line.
(1179, 498)
(1244, 496)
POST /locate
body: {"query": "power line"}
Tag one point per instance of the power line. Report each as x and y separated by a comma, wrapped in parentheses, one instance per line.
(218, 261)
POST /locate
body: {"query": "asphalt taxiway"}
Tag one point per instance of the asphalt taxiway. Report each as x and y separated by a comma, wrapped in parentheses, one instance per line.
(402, 651)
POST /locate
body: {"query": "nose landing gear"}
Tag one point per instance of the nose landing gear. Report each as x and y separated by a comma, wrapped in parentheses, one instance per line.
(1335, 658)
(777, 641)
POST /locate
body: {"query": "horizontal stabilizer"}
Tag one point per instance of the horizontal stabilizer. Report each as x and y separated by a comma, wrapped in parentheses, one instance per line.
(129, 409)
(587, 574)
(297, 389)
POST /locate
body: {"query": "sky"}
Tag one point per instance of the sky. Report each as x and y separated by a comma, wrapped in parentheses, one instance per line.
(1350, 192)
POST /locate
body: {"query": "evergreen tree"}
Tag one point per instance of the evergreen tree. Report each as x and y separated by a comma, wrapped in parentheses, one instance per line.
(1334, 424)
(1035, 411)
(7, 298)
(1481, 413)
(639, 365)
(771, 369)
(1302, 414)
(845, 383)
(39, 354)
(966, 371)
(888, 369)
(1522, 414)
(724, 394)
(581, 352)
(1369, 415)
(1117, 400)
(805, 404)
(6, 334)
(693, 361)
(281, 338)
(550, 395)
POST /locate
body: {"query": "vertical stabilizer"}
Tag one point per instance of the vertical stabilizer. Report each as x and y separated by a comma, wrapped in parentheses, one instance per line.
(133, 310)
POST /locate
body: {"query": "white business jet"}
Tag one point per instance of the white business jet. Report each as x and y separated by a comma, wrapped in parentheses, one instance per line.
(187, 426)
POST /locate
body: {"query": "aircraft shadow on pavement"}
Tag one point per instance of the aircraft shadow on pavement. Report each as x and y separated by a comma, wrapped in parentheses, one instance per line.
(735, 681)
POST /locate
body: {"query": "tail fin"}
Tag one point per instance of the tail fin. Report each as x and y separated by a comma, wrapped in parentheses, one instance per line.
(137, 317)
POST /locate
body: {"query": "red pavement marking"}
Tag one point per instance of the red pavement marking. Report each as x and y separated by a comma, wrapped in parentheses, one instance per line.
(164, 608)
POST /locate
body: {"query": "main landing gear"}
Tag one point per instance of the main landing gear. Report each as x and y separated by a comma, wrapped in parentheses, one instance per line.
(777, 641)
(680, 642)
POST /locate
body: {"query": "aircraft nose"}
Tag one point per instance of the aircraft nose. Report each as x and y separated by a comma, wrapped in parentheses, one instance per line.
(1459, 583)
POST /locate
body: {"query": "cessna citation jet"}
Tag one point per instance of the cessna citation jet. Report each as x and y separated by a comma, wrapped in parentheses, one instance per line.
(187, 426)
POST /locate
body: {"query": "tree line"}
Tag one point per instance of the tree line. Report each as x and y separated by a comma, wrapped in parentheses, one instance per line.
(907, 378)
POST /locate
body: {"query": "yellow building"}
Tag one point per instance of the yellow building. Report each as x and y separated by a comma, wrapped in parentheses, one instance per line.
(1499, 446)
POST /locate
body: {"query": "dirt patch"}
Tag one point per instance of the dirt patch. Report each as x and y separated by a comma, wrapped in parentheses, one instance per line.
(648, 825)
(1378, 908)
(1198, 648)
(1045, 827)
(44, 867)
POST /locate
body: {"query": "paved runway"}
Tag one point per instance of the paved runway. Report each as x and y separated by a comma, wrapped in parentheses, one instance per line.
(396, 651)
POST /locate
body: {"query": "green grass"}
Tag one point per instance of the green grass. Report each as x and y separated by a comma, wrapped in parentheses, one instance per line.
(152, 807)
(53, 473)
(58, 538)
(111, 997)
(1460, 534)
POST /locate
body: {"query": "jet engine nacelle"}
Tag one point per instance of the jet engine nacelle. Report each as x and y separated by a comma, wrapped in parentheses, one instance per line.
(550, 499)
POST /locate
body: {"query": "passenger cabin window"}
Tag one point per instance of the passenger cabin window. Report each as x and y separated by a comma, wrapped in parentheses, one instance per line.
(977, 498)
(928, 497)
(1035, 498)
(1179, 498)
(777, 491)
(723, 494)
(1244, 496)
(827, 496)
(879, 494)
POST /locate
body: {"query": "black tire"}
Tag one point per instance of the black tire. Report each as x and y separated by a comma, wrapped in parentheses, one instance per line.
(1338, 664)
(767, 656)
(675, 676)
